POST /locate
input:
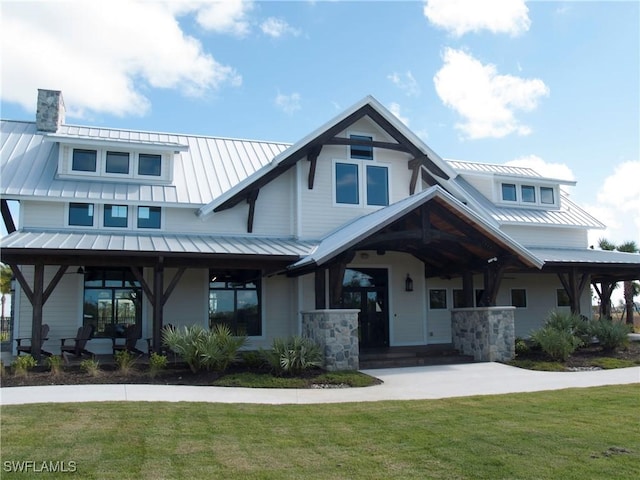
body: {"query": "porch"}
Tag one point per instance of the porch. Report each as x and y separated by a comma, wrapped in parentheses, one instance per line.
(412, 356)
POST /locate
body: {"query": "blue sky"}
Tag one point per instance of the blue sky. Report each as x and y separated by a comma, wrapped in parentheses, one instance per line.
(552, 85)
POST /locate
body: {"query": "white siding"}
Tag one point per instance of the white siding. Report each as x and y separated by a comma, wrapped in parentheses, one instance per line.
(484, 185)
(553, 237)
(188, 304)
(42, 214)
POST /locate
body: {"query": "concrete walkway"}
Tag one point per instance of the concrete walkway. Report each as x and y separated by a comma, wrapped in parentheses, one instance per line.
(399, 384)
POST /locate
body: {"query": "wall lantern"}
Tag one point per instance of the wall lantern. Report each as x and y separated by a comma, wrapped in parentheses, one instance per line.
(408, 284)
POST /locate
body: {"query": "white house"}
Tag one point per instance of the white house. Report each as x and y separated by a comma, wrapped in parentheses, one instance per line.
(359, 224)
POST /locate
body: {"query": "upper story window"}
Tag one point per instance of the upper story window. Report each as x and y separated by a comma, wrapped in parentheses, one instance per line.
(347, 183)
(361, 152)
(527, 195)
(84, 160)
(116, 216)
(149, 164)
(81, 214)
(117, 162)
(149, 217)
(547, 196)
(377, 185)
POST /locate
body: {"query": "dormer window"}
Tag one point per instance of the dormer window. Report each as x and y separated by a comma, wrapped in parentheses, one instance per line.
(528, 193)
(149, 164)
(84, 160)
(117, 162)
(546, 196)
(509, 192)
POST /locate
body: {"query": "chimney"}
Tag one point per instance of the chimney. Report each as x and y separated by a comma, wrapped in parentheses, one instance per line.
(50, 110)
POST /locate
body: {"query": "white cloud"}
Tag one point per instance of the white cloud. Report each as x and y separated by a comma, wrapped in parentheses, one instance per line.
(559, 171)
(486, 100)
(289, 104)
(462, 16)
(227, 16)
(102, 57)
(618, 205)
(395, 109)
(277, 27)
(405, 82)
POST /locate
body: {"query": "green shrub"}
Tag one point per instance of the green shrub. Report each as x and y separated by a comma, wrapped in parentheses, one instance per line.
(90, 366)
(4, 337)
(293, 355)
(610, 335)
(125, 361)
(557, 344)
(212, 349)
(157, 363)
(253, 359)
(521, 347)
(54, 364)
(22, 364)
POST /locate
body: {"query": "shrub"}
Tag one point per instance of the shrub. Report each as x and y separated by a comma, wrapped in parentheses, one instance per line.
(293, 355)
(557, 344)
(219, 348)
(253, 359)
(521, 347)
(610, 335)
(157, 363)
(212, 349)
(125, 361)
(90, 366)
(22, 364)
(54, 363)
(1, 369)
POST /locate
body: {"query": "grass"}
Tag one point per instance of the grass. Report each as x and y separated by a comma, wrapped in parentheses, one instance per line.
(569, 434)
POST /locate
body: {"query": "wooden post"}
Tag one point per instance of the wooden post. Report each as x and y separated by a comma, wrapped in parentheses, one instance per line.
(158, 294)
(321, 288)
(467, 290)
(38, 303)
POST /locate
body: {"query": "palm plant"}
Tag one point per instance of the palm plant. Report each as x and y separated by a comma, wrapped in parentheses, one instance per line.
(629, 289)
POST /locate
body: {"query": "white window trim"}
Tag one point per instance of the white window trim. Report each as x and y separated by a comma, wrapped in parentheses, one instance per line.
(98, 217)
(112, 174)
(518, 202)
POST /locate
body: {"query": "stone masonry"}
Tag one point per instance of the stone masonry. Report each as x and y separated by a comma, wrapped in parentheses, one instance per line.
(486, 333)
(336, 331)
(50, 110)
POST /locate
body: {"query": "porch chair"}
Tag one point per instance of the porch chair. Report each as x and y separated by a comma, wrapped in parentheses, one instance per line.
(163, 348)
(80, 341)
(132, 335)
(26, 349)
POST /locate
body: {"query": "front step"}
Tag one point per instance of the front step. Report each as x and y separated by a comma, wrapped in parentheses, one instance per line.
(397, 357)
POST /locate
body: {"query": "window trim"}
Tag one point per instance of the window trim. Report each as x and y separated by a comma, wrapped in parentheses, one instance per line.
(117, 174)
(93, 207)
(93, 173)
(363, 200)
(137, 217)
(519, 198)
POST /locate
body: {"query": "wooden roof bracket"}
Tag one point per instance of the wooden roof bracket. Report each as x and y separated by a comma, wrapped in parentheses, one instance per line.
(6, 216)
(312, 157)
(251, 200)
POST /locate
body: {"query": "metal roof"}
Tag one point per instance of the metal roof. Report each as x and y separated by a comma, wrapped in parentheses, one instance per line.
(568, 215)
(75, 241)
(585, 255)
(362, 227)
(210, 166)
(492, 169)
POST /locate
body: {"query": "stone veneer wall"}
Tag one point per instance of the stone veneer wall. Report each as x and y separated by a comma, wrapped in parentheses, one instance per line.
(486, 333)
(50, 111)
(336, 331)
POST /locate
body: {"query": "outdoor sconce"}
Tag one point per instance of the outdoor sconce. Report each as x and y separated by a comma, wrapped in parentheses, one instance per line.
(408, 284)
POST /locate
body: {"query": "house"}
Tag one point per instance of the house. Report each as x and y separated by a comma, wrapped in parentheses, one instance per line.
(358, 235)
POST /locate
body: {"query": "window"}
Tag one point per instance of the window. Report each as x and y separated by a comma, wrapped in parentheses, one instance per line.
(81, 214)
(562, 299)
(112, 301)
(519, 297)
(528, 193)
(347, 183)
(84, 160)
(377, 186)
(234, 300)
(546, 195)
(149, 217)
(437, 299)
(508, 192)
(361, 152)
(149, 164)
(115, 215)
(117, 162)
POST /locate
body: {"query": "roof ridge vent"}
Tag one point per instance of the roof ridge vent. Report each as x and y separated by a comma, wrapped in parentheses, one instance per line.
(50, 110)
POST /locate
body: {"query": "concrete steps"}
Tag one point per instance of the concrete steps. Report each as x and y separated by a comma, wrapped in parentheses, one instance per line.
(396, 357)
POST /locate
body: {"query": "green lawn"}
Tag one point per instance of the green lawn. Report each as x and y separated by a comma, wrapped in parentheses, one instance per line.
(572, 434)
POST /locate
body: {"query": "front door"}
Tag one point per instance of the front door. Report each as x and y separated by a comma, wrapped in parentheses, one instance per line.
(367, 290)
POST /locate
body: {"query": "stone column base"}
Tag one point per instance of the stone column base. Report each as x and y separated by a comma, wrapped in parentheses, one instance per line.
(336, 331)
(486, 333)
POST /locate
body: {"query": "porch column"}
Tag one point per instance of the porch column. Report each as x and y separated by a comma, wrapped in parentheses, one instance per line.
(486, 333)
(158, 304)
(467, 289)
(574, 287)
(336, 332)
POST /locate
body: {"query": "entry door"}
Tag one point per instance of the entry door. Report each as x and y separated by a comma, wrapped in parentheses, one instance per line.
(367, 290)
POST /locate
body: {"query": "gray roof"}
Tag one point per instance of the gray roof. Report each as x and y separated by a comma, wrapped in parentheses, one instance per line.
(362, 227)
(202, 171)
(501, 170)
(585, 255)
(568, 215)
(75, 241)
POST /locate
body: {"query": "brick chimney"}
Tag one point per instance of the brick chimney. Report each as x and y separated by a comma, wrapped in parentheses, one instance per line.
(50, 110)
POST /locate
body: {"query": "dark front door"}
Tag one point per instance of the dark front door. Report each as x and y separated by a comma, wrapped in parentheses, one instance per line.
(367, 290)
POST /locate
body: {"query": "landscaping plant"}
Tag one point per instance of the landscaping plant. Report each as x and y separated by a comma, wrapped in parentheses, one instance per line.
(611, 335)
(22, 364)
(90, 366)
(125, 361)
(157, 363)
(293, 355)
(54, 363)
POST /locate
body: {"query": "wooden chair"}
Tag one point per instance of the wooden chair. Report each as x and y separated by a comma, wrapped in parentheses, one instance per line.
(132, 335)
(27, 349)
(164, 350)
(80, 341)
